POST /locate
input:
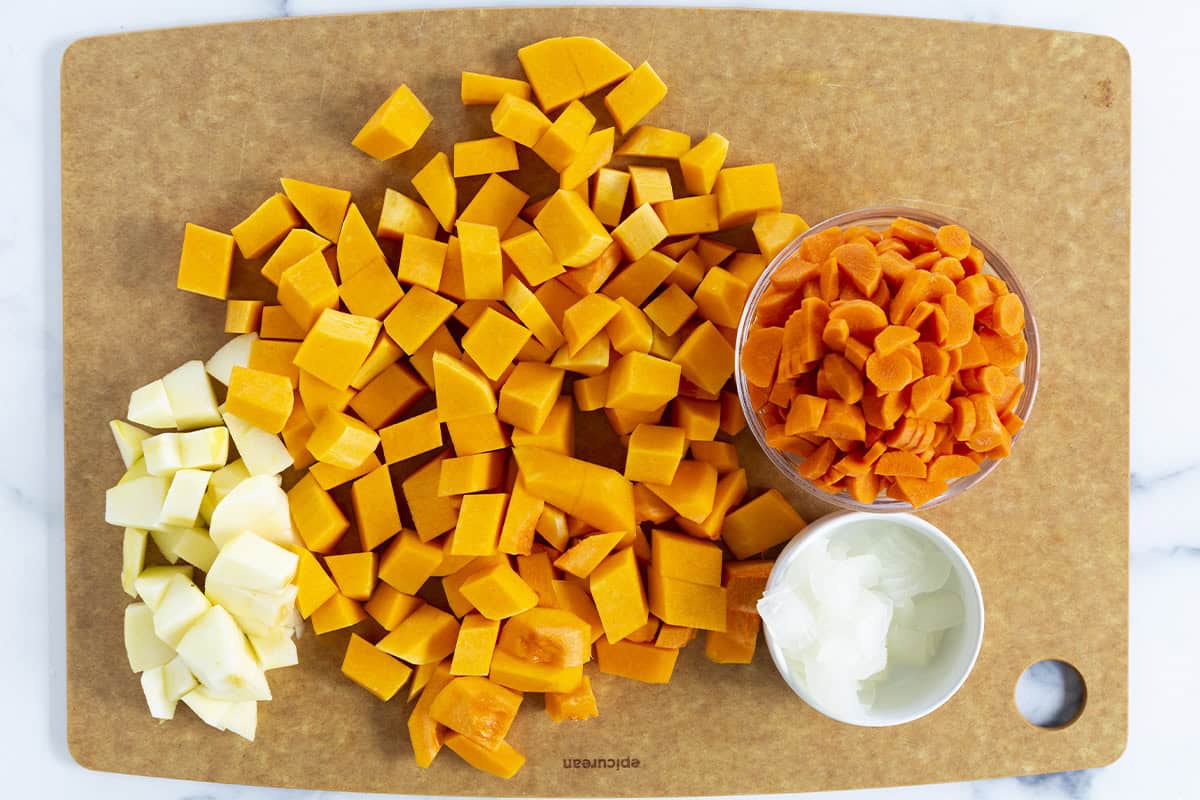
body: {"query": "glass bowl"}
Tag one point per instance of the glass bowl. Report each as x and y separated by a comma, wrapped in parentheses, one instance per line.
(878, 219)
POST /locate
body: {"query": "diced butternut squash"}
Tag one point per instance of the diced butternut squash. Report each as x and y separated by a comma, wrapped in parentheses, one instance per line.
(692, 492)
(578, 704)
(389, 607)
(498, 592)
(435, 183)
(374, 670)
(639, 662)
(395, 127)
(462, 391)
(316, 516)
(475, 646)
(261, 398)
(477, 708)
(424, 732)
(760, 524)
(520, 520)
(484, 156)
(475, 473)
(342, 441)
(648, 141)
(706, 358)
(641, 382)
(551, 72)
(306, 289)
(619, 594)
(635, 96)
(574, 234)
(477, 532)
(688, 215)
(654, 453)
(743, 192)
(266, 226)
(531, 676)
(736, 644)
(432, 514)
(427, 634)
(685, 558)
(336, 613)
(586, 554)
(683, 603)
(600, 496)
(313, 585)
(354, 574)
(503, 761)
(206, 261)
(701, 164)
(557, 637)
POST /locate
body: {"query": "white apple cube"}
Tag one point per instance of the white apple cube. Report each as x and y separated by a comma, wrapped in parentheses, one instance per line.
(135, 471)
(181, 607)
(256, 505)
(182, 504)
(133, 559)
(209, 709)
(150, 406)
(142, 646)
(166, 539)
(191, 396)
(136, 503)
(218, 654)
(242, 719)
(178, 680)
(256, 613)
(152, 584)
(251, 562)
(262, 452)
(129, 440)
(196, 548)
(223, 481)
(162, 454)
(207, 448)
(275, 650)
(234, 353)
(154, 687)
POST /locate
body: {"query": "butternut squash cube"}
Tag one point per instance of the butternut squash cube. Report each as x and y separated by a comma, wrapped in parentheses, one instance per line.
(432, 514)
(639, 662)
(585, 319)
(648, 507)
(295, 434)
(484, 156)
(479, 89)
(533, 257)
(498, 592)
(298, 243)
(759, 525)
(654, 453)
(536, 570)
(572, 596)
(263, 399)
(478, 530)
(520, 521)
(389, 395)
(598, 66)
(383, 354)
(263, 229)
(435, 183)
(551, 72)
(422, 360)
(401, 215)
(476, 643)
(620, 597)
(673, 636)
(722, 455)
(639, 280)
(372, 292)
(503, 761)
(640, 232)
(330, 477)
(319, 398)
(609, 190)
(336, 346)
(374, 670)
(556, 296)
(426, 635)
(578, 704)
(574, 234)
(313, 584)
(635, 96)
(557, 433)
(520, 120)
(375, 510)
(683, 603)
(462, 391)
(720, 298)
(566, 137)
(629, 330)
(414, 319)
(742, 192)
(323, 207)
(493, 341)
(647, 141)
(587, 553)
(474, 435)
(342, 440)
(530, 676)
(706, 358)
(688, 215)
(205, 262)
(424, 732)
(529, 310)
(408, 562)
(745, 582)
(421, 262)
(688, 272)
(596, 152)
(357, 246)
(395, 127)
(774, 230)
(600, 496)
(736, 644)
(452, 583)
(650, 185)
(591, 393)
(354, 574)
(641, 382)
(731, 490)
(529, 394)
(699, 419)
(701, 165)
(389, 607)
(317, 518)
(692, 492)
(410, 437)
(306, 289)
(336, 613)
(497, 203)
(671, 309)
(482, 264)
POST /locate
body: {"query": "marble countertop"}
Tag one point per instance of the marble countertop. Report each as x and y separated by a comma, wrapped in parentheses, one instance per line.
(1164, 469)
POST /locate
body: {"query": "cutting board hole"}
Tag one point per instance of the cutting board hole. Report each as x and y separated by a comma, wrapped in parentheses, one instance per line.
(1051, 694)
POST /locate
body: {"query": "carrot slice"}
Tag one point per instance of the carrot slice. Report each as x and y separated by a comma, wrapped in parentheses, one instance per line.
(973, 262)
(913, 290)
(928, 391)
(952, 268)
(953, 241)
(960, 320)
(917, 491)
(842, 377)
(861, 265)
(973, 354)
(864, 318)
(894, 337)
(988, 429)
(895, 264)
(776, 438)
(964, 418)
(827, 277)
(913, 232)
(794, 273)
(1006, 352)
(989, 379)
(836, 334)
(857, 353)
(804, 415)
(1008, 315)
(926, 261)
(1012, 423)
(760, 355)
(862, 232)
(889, 373)
(900, 462)
(934, 360)
(890, 244)
(949, 467)
(816, 247)
(818, 463)
(863, 488)
(939, 286)
(841, 419)
(776, 305)
(976, 291)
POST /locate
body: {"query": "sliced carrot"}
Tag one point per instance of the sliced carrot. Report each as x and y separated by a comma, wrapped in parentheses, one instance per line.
(1008, 315)
(913, 232)
(757, 395)
(916, 491)
(843, 377)
(974, 261)
(776, 305)
(996, 283)
(973, 354)
(816, 247)
(963, 424)
(953, 241)
(760, 355)
(782, 392)
(843, 420)
(860, 264)
(952, 268)
(913, 290)
(890, 244)
(882, 296)
(960, 320)
(836, 334)
(862, 232)
(883, 411)
(864, 318)
(1006, 352)
(1007, 399)
(805, 414)
(889, 373)
(863, 488)
(848, 291)
(893, 338)
(939, 286)
(895, 265)
(1012, 423)
(818, 462)
(926, 261)
(976, 292)
(794, 273)
(927, 391)
(949, 467)
(1003, 448)
(988, 429)
(789, 444)
(989, 379)
(813, 314)
(900, 462)
(857, 353)
(827, 276)
(934, 360)
(906, 434)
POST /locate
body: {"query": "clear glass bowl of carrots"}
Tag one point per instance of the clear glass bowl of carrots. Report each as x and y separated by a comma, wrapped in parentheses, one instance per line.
(876, 389)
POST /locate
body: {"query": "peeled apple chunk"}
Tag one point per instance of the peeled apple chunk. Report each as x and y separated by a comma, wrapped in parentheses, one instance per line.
(190, 394)
(181, 606)
(133, 559)
(256, 505)
(143, 647)
(151, 584)
(137, 503)
(234, 353)
(251, 562)
(154, 687)
(218, 654)
(129, 440)
(256, 613)
(150, 406)
(178, 680)
(239, 717)
(263, 453)
(276, 649)
(168, 453)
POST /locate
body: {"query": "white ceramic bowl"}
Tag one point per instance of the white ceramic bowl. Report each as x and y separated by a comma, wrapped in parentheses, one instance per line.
(920, 691)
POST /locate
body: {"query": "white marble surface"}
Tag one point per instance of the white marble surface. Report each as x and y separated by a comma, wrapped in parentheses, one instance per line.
(1165, 479)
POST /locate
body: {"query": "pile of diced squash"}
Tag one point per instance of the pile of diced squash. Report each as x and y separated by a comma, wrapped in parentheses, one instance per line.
(502, 563)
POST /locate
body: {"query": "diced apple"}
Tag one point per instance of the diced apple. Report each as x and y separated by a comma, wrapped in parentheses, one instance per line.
(256, 613)
(135, 471)
(262, 452)
(251, 562)
(178, 680)
(222, 482)
(207, 448)
(191, 396)
(242, 719)
(256, 505)
(218, 654)
(162, 454)
(209, 709)
(196, 548)
(136, 503)
(276, 649)
(142, 646)
(234, 353)
(166, 539)
(150, 406)
(133, 559)
(182, 605)
(182, 504)
(154, 687)
(152, 583)
(129, 440)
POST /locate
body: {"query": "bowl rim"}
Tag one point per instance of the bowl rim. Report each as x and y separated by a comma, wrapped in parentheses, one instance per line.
(1031, 368)
(827, 526)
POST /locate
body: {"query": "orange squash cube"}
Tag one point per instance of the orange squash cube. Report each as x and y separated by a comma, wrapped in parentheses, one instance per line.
(316, 517)
(609, 190)
(671, 309)
(435, 183)
(688, 215)
(389, 607)
(476, 643)
(701, 165)
(371, 292)
(479, 89)
(654, 453)
(357, 247)
(650, 185)
(323, 207)
(375, 510)
(642, 382)
(591, 393)
(566, 137)
(620, 597)
(520, 520)
(587, 553)
(640, 232)
(307, 288)
(745, 582)
(722, 455)
(336, 346)
(742, 192)
(414, 319)
(568, 225)
(336, 613)
(424, 732)
(462, 391)
(205, 262)
(408, 562)
(503, 761)
(528, 395)
(354, 574)
(639, 280)
(531, 676)
(484, 156)
(706, 358)
(648, 141)
(577, 704)
(774, 230)
(557, 433)
(395, 127)
(760, 524)
(263, 399)
(342, 440)
(514, 117)
(298, 243)
(432, 514)
(532, 257)
(493, 341)
(477, 532)
(277, 323)
(319, 398)
(596, 152)
(482, 264)
(475, 473)
(720, 297)
(549, 68)
(736, 644)
(585, 319)
(265, 227)
(731, 489)
(536, 570)
(374, 670)
(388, 395)
(410, 437)
(330, 477)
(684, 603)
(639, 662)
(699, 419)
(635, 96)
(692, 492)
(313, 585)
(530, 311)
(498, 592)
(426, 635)
(497, 204)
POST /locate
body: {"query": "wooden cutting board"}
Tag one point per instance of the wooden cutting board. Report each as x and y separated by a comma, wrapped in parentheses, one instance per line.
(1022, 135)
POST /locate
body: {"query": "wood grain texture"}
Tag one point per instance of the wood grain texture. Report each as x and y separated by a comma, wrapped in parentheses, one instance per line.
(1020, 134)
